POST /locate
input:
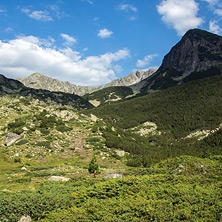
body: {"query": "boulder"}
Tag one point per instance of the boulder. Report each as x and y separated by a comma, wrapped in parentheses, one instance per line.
(25, 218)
(11, 138)
(58, 178)
(114, 175)
(120, 153)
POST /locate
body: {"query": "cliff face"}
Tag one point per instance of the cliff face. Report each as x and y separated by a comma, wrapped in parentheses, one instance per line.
(197, 55)
(197, 50)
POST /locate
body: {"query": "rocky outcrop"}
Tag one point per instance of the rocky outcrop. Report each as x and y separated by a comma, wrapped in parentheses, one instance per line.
(11, 138)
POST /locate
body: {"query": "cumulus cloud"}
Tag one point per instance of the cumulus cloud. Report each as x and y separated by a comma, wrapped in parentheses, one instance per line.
(104, 33)
(69, 40)
(37, 15)
(145, 61)
(127, 7)
(180, 14)
(214, 27)
(25, 55)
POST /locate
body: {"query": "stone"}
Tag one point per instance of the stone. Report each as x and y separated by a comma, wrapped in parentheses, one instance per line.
(114, 175)
(25, 218)
(120, 153)
(58, 178)
(23, 168)
(11, 138)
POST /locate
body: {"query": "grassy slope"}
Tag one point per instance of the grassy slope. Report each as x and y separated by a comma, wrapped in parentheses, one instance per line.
(50, 144)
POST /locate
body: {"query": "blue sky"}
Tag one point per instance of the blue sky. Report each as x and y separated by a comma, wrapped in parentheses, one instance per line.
(91, 42)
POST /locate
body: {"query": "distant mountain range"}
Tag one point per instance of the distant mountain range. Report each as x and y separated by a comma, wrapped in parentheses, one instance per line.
(40, 81)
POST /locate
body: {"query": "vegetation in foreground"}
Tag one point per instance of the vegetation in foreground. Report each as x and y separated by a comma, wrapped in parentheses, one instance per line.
(183, 188)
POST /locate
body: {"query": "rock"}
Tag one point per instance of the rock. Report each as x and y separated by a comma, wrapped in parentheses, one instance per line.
(114, 175)
(25, 218)
(23, 168)
(11, 138)
(120, 153)
(58, 178)
(93, 118)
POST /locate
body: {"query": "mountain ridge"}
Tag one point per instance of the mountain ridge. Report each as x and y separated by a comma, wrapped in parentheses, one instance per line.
(40, 81)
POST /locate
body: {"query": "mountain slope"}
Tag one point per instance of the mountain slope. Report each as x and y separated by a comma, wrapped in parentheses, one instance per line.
(39, 81)
(10, 86)
(197, 55)
(181, 109)
(109, 95)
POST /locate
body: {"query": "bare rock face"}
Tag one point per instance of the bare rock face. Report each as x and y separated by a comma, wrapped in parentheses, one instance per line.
(196, 56)
(197, 50)
(11, 138)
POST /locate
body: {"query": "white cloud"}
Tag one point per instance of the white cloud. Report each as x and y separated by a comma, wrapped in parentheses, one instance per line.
(214, 28)
(127, 7)
(180, 14)
(145, 61)
(104, 33)
(37, 15)
(69, 40)
(28, 54)
(218, 11)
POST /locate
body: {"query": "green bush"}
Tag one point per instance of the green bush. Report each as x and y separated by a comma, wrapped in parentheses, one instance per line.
(21, 142)
(45, 144)
(63, 128)
(17, 160)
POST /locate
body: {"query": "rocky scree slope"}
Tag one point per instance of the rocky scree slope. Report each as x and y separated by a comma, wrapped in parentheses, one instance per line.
(197, 55)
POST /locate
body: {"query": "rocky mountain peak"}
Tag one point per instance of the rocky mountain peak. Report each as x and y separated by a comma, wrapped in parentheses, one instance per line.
(197, 55)
(197, 50)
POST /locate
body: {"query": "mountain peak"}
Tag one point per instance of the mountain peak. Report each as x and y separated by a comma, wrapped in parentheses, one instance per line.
(197, 55)
(199, 33)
